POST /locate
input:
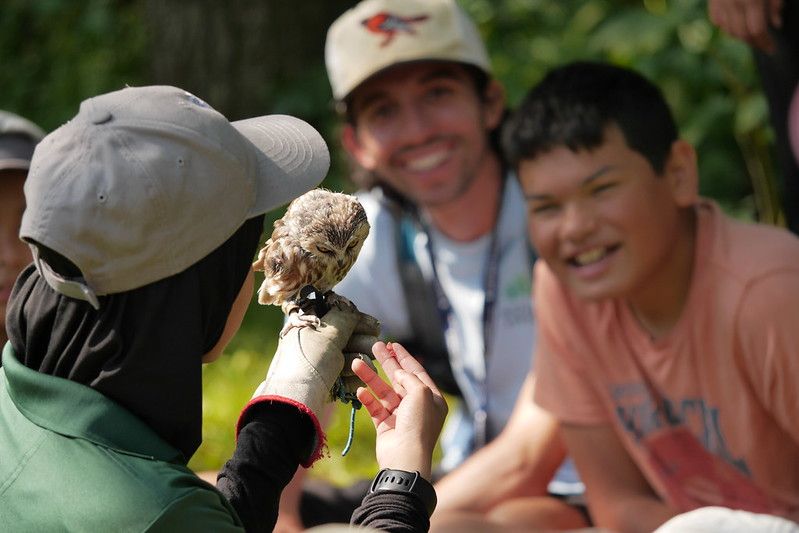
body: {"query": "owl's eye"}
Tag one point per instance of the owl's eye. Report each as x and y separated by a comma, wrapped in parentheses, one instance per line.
(351, 246)
(325, 250)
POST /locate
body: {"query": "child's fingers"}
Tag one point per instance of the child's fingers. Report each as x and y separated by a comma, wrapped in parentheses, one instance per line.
(363, 370)
(408, 380)
(382, 391)
(376, 411)
(414, 383)
(409, 363)
(404, 358)
(386, 357)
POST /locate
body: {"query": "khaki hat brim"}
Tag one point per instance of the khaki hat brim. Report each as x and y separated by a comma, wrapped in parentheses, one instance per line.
(292, 158)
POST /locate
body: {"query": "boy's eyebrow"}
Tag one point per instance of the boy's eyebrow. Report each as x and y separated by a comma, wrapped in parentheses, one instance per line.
(585, 181)
(603, 170)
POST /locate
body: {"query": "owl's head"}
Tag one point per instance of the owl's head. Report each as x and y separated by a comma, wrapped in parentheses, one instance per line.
(332, 228)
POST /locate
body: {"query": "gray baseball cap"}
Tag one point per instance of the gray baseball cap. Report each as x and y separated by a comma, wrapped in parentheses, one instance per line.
(145, 181)
(18, 138)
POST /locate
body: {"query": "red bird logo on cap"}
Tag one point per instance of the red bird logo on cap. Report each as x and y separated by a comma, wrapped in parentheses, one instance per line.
(388, 25)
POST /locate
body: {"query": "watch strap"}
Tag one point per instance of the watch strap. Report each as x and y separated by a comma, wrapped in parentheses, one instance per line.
(402, 481)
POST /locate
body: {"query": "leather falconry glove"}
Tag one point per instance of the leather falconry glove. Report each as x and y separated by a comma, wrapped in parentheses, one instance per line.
(309, 360)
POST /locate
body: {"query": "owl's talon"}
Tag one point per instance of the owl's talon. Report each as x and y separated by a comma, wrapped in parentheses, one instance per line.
(299, 320)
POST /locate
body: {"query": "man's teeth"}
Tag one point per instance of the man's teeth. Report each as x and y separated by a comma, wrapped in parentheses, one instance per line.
(590, 256)
(427, 162)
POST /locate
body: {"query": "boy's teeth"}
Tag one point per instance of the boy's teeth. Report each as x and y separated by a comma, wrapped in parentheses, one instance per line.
(591, 256)
(426, 162)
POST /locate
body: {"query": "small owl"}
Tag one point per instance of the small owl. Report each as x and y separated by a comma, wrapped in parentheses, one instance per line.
(314, 243)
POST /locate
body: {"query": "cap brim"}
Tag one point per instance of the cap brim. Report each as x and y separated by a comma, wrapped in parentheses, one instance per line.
(15, 164)
(292, 159)
(16, 151)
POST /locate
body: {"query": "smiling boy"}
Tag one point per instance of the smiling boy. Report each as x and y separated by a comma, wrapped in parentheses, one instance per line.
(668, 346)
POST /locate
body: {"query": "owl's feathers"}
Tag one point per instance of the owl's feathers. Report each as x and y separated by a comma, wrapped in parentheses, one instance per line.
(314, 243)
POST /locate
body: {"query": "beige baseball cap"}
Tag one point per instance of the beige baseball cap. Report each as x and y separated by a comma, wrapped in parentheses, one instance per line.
(18, 138)
(144, 182)
(378, 34)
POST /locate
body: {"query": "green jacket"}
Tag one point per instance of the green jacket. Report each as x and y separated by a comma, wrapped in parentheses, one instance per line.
(73, 460)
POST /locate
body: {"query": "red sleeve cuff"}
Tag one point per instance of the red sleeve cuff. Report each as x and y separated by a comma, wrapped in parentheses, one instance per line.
(320, 439)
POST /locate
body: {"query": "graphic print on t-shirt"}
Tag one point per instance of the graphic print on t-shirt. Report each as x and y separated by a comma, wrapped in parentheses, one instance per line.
(684, 443)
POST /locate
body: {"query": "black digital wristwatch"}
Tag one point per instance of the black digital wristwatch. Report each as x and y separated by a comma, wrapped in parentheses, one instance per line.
(402, 481)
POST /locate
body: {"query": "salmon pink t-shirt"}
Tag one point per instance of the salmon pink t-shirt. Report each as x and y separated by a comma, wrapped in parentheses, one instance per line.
(710, 412)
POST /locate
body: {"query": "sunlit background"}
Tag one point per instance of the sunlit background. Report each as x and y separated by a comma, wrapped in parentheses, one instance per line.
(250, 58)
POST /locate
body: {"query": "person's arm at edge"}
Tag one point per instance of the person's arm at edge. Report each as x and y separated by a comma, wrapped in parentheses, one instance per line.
(619, 497)
(521, 461)
(289, 515)
(748, 21)
(769, 342)
(271, 443)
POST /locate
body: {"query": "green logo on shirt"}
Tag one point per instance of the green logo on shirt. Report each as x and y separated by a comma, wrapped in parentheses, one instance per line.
(519, 287)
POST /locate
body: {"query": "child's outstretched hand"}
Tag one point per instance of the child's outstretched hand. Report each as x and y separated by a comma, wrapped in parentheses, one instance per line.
(409, 416)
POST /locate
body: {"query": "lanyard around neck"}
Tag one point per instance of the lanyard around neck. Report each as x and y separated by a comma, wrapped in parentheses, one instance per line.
(490, 291)
(490, 286)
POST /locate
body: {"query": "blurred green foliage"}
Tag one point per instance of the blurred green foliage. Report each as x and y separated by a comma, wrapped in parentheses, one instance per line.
(55, 53)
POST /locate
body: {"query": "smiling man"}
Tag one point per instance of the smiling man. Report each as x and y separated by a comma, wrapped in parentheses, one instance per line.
(668, 345)
(447, 265)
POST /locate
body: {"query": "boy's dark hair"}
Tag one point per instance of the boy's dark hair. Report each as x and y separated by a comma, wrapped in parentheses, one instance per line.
(574, 104)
